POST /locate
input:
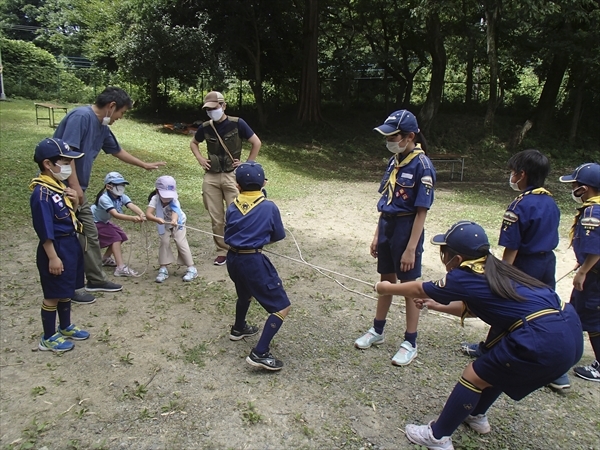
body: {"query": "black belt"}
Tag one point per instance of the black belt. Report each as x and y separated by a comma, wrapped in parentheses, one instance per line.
(243, 251)
(72, 233)
(403, 214)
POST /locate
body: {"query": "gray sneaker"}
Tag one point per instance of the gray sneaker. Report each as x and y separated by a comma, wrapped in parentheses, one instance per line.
(163, 274)
(125, 271)
(83, 298)
(107, 286)
(369, 338)
(479, 423)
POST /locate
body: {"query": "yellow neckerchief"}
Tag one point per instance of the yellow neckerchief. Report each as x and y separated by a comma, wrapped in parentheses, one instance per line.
(59, 187)
(476, 265)
(391, 181)
(246, 201)
(540, 190)
(589, 202)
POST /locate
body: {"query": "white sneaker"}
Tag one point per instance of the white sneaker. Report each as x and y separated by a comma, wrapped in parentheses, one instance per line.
(163, 274)
(190, 274)
(405, 354)
(125, 271)
(422, 435)
(369, 338)
(479, 423)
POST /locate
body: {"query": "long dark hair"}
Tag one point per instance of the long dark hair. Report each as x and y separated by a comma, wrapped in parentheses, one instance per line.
(501, 276)
(419, 139)
(99, 194)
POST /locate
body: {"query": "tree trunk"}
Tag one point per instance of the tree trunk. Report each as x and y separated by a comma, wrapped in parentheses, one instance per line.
(310, 107)
(492, 17)
(545, 107)
(153, 91)
(577, 106)
(469, 83)
(438, 72)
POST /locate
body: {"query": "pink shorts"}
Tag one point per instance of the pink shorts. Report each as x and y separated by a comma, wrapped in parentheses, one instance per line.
(109, 233)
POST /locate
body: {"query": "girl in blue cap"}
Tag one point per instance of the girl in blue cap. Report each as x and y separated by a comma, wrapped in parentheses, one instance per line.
(406, 195)
(540, 337)
(585, 239)
(109, 205)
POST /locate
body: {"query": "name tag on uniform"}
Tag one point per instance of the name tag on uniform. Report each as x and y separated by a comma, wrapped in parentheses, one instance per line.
(407, 175)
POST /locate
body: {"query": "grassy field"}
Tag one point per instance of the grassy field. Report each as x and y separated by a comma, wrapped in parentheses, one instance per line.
(159, 371)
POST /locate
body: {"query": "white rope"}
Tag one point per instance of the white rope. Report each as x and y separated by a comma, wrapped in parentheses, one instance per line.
(144, 235)
(319, 269)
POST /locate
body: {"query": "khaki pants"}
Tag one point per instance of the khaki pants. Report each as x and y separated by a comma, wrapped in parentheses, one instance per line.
(92, 256)
(184, 254)
(219, 190)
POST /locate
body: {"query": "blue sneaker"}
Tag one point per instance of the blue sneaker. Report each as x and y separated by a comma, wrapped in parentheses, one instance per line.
(75, 333)
(561, 382)
(56, 343)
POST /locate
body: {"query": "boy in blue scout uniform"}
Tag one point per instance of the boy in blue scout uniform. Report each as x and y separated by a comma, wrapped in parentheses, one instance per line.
(541, 336)
(529, 232)
(585, 239)
(407, 195)
(252, 222)
(59, 255)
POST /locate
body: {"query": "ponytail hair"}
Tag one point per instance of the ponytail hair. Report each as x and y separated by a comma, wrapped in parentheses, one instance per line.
(420, 139)
(102, 191)
(152, 194)
(501, 277)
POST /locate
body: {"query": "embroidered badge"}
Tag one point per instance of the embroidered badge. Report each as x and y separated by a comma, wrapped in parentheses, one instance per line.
(590, 223)
(407, 175)
(405, 197)
(56, 198)
(441, 282)
(427, 181)
(510, 217)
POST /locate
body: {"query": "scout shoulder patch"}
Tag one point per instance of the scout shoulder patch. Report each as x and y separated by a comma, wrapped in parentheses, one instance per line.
(590, 222)
(510, 216)
(441, 283)
(427, 181)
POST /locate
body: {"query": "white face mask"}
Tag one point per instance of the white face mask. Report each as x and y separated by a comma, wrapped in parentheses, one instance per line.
(514, 186)
(578, 199)
(106, 120)
(215, 114)
(65, 172)
(118, 190)
(394, 147)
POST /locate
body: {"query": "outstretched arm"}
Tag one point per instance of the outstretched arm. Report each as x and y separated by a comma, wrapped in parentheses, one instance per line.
(412, 289)
(130, 159)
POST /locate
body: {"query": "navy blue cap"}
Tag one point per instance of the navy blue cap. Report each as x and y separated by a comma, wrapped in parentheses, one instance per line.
(465, 238)
(399, 121)
(250, 174)
(50, 147)
(587, 174)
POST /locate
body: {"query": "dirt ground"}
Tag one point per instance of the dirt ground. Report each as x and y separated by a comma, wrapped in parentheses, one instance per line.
(159, 371)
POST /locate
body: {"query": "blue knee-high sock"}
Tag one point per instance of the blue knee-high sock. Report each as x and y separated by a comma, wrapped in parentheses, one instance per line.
(411, 337)
(241, 309)
(64, 313)
(271, 328)
(459, 405)
(488, 397)
(48, 320)
(379, 325)
(595, 341)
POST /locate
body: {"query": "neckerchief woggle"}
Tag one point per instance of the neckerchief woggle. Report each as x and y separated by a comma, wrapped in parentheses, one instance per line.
(246, 201)
(390, 184)
(59, 187)
(589, 202)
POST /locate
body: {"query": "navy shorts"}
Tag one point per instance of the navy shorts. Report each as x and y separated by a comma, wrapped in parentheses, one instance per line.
(109, 233)
(541, 266)
(394, 233)
(587, 302)
(255, 276)
(70, 252)
(533, 355)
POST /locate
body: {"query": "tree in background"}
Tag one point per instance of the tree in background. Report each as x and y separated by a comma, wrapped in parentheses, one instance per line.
(309, 105)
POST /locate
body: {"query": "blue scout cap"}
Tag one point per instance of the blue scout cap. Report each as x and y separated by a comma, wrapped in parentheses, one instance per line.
(51, 147)
(465, 238)
(250, 174)
(587, 174)
(114, 178)
(399, 121)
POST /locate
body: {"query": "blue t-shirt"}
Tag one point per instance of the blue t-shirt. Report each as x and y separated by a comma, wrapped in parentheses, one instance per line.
(244, 130)
(81, 129)
(260, 226)
(530, 223)
(474, 290)
(413, 189)
(106, 202)
(586, 240)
